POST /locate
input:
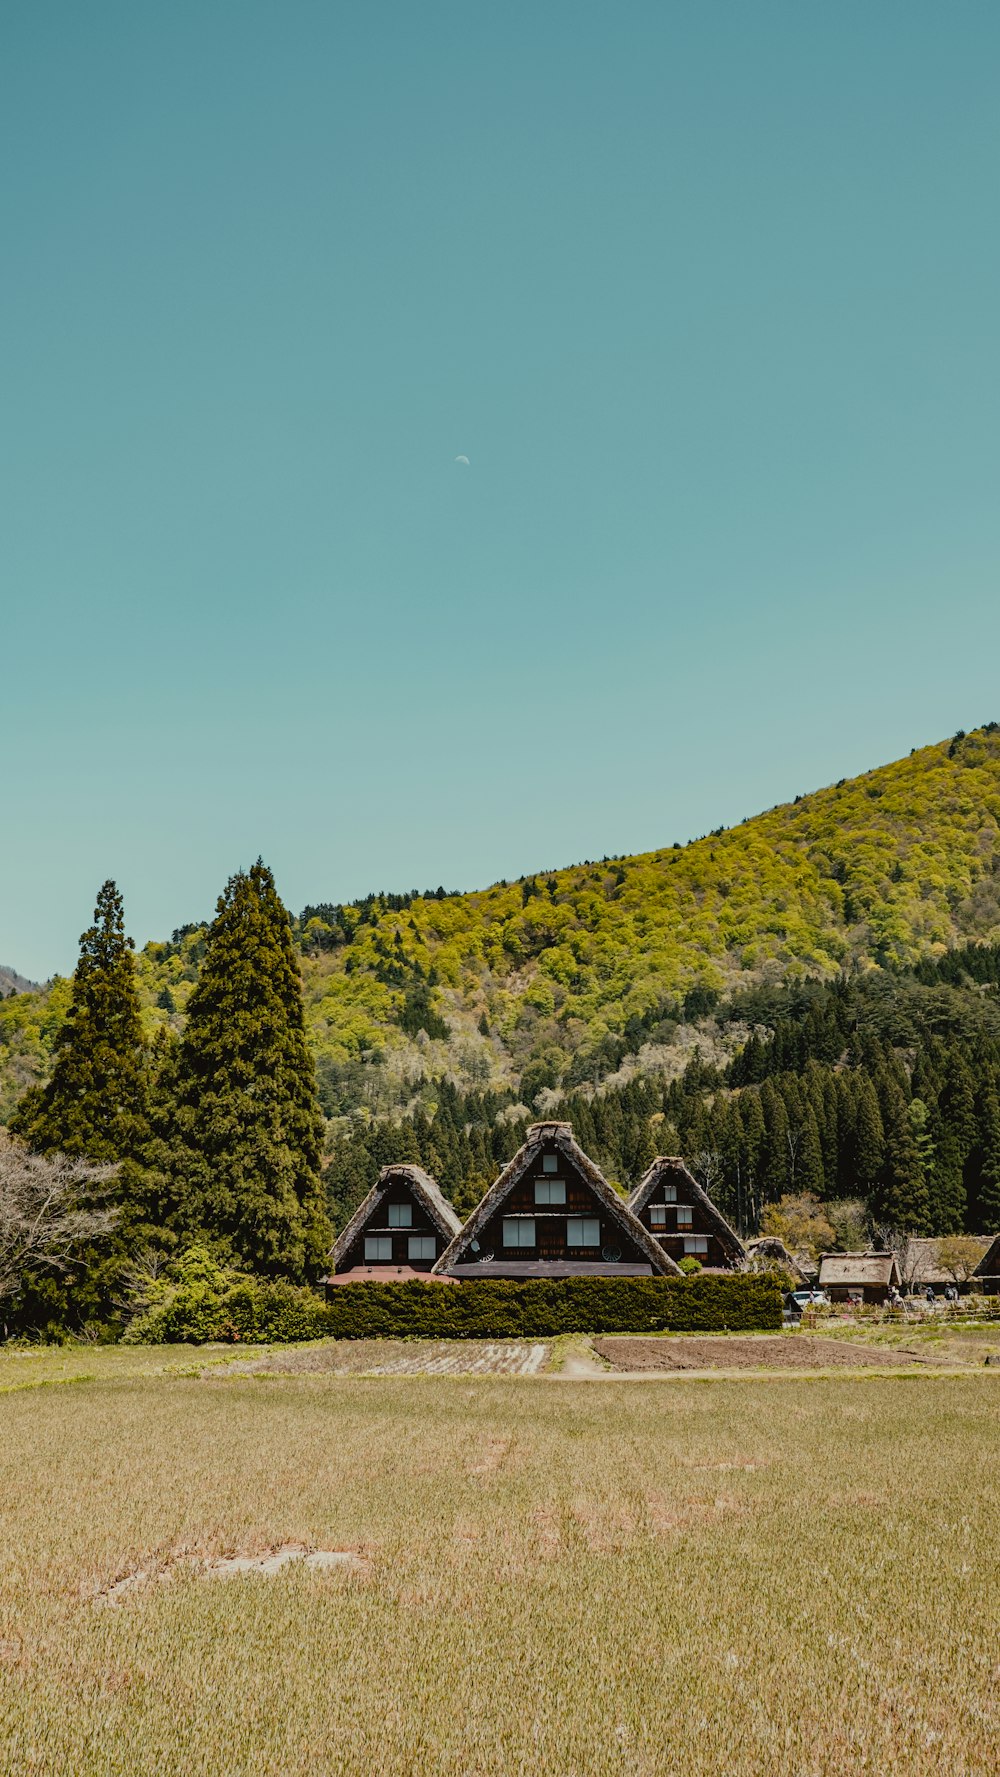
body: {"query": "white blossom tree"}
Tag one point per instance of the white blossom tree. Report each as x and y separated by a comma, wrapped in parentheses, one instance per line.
(51, 1207)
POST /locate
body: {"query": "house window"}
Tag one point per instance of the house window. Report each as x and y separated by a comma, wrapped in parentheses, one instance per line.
(421, 1246)
(670, 1193)
(550, 1162)
(583, 1233)
(685, 1216)
(401, 1215)
(658, 1215)
(695, 1243)
(519, 1230)
(378, 1249)
(550, 1190)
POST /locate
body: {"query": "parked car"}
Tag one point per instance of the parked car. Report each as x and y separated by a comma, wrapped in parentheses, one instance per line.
(797, 1300)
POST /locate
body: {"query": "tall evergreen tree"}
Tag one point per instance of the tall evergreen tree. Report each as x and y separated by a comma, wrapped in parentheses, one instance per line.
(901, 1196)
(953, 1127)
(985, 1208)
(774, 1178)
(242, 1133)
(755, 1151)
(869, 1140)
(94, 1107)
(809, 1176)
(94, 1104)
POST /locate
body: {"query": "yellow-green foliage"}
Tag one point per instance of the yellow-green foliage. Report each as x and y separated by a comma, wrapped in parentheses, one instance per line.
(563, 1577)
(885, 867)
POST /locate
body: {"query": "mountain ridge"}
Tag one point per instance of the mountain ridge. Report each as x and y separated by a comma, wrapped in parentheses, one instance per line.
(556, 980)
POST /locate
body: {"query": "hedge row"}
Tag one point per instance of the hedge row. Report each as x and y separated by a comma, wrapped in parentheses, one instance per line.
(496, 1308)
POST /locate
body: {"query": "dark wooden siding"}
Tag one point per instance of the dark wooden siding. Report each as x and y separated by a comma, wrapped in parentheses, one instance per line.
(378, 1224)
(671, 1236)
(551, 1222)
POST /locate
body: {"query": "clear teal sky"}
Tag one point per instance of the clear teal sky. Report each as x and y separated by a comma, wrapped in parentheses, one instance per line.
(708, 294)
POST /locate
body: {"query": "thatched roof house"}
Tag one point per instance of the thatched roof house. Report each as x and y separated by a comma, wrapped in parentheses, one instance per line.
(986, 1276)
(767, 1251)
(868, 1275)
(682, 1218)
(920, 1261)
(552, 1213)
(401, 1228)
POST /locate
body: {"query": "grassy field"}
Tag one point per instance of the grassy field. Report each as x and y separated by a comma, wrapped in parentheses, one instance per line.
(562, 1577)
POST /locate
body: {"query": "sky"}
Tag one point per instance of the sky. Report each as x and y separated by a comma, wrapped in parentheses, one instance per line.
(709, 297)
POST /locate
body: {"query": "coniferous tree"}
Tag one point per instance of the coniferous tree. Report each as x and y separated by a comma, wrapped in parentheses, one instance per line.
(754, 1147)
(94, 1105)
(241, 1129)
(809, 1176)
(774, 1179)
(953, 1127)
(986, 1205)
(869, 1140)
(901, 1196)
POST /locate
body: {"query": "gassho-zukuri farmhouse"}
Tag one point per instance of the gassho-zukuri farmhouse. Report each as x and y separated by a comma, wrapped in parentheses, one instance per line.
(551, 1213)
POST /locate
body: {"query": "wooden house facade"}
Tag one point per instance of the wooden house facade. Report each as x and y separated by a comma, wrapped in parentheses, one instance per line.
(682, 1218)
(400, 1230)
(551, 1213)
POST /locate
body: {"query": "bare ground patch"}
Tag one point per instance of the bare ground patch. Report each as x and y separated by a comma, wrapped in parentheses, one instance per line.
(399, 1357)
(267, 1564)
(762, 1351)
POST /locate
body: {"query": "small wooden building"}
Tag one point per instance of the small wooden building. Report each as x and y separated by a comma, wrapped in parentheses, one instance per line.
(986, 1277)
(400, 1230)
(868, 1276)
(682, 1218)
(551, 1213)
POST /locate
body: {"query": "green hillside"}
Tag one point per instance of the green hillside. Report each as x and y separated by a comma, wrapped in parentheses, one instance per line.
(556, 980)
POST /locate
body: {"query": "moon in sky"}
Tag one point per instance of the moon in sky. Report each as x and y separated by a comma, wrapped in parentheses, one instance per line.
(464, 460)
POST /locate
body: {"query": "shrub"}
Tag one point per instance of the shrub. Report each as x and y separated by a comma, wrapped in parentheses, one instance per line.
(495, 1308)
(200, 1300)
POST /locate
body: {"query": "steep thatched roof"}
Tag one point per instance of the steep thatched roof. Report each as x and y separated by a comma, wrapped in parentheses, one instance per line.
(989, 1264)
(769, 1250)
(858, 1270)
(920, 1260)
(669, 1167)
(425, 1189)
(559, 1135)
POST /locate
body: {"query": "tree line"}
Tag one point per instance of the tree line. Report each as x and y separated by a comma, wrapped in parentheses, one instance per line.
(215, 1136)
(876, 1090)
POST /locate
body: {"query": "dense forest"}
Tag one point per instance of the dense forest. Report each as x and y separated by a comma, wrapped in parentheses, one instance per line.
(808, 1003)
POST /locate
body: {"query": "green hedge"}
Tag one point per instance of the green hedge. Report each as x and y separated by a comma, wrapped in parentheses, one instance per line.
(496, 1308)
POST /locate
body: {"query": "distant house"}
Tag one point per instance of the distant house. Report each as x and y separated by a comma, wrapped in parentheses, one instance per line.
(920, 1262)
(767, 1250)
(399, 1231)
(682, 1218)
(986, 1276)
(868, 1275)
(551, 1213)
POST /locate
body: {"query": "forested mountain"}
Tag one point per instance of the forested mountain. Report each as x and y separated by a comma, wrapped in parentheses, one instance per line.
(12, 982)
(779, 995)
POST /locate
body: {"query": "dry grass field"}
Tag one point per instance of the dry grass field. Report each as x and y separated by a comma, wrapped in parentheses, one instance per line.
(777, 1575)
